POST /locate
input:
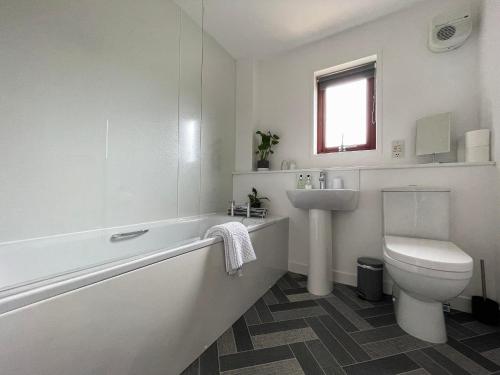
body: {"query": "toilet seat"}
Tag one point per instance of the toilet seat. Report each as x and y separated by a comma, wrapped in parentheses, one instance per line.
(426, 272)
(418, 253)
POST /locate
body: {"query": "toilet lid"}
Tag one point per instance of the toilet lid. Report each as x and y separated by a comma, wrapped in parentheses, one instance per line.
(433, 254)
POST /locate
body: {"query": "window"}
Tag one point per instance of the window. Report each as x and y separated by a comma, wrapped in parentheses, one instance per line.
(346, 118)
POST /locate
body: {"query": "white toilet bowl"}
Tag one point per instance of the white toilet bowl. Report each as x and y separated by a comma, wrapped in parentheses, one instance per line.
(426, 273)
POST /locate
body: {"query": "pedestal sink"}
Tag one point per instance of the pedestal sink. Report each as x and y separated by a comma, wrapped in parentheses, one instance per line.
(320, 204)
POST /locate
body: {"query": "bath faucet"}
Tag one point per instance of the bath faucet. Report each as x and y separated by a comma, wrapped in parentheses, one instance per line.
(249, 211)
(322, 180)
(232, 203)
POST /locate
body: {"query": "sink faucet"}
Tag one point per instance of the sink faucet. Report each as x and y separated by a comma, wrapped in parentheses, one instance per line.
(322, 180)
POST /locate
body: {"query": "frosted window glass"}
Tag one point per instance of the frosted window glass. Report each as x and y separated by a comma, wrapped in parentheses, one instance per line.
(346, 113)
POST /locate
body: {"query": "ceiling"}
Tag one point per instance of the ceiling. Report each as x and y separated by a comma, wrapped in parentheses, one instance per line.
(259, 28)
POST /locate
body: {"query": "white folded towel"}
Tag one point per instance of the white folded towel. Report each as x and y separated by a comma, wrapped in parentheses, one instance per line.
(237, 245)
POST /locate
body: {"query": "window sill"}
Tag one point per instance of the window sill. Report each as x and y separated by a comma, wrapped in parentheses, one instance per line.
(343, 152)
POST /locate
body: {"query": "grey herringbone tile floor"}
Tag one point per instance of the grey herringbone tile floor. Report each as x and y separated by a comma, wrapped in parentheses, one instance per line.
(289, 331)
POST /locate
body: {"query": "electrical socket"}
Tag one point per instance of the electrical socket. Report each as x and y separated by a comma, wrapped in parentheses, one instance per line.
(398, 149)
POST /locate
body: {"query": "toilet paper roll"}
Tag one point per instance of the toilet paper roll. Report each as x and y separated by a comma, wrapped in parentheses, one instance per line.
(477, 154)
(476, 138)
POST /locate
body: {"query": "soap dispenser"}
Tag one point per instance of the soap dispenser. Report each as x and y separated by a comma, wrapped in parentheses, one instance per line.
(300, 182)
(308, 185)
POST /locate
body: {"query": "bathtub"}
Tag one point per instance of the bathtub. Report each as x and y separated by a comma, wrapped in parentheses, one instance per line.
(141, 299)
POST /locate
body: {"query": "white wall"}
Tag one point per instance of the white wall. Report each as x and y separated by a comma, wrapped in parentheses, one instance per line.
(413, 83)
(474, 223)
(489, 61)
(101, 107)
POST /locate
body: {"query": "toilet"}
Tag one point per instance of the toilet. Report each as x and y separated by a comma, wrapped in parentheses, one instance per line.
(427, 269)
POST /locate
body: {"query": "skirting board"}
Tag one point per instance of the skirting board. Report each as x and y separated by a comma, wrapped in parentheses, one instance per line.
(461, 303)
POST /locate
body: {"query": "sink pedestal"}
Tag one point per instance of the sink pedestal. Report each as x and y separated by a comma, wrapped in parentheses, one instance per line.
(321, 203)
(320, 282)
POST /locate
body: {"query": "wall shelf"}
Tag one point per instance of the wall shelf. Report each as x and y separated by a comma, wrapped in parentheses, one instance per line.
(375, 167)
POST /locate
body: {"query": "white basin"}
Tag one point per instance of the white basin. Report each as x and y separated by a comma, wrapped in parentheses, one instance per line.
(320, 204)
(325, 199)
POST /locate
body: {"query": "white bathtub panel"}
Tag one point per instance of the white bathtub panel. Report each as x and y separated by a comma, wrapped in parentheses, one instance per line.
(154, 320)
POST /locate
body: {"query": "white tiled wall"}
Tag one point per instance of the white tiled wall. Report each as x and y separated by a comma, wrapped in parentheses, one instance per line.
(217, 133)
(101, 116)
(190, 107)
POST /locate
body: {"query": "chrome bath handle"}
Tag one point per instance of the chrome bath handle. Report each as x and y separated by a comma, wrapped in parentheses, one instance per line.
(127, 235)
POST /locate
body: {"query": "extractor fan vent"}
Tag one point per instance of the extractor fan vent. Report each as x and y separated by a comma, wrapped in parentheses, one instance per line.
(450, 31)
(446, 32)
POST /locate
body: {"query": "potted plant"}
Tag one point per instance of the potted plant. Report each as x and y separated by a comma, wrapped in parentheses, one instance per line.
(255, 200)
(267, 141)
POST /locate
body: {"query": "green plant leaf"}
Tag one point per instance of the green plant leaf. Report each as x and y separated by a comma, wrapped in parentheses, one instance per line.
(267, 141)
